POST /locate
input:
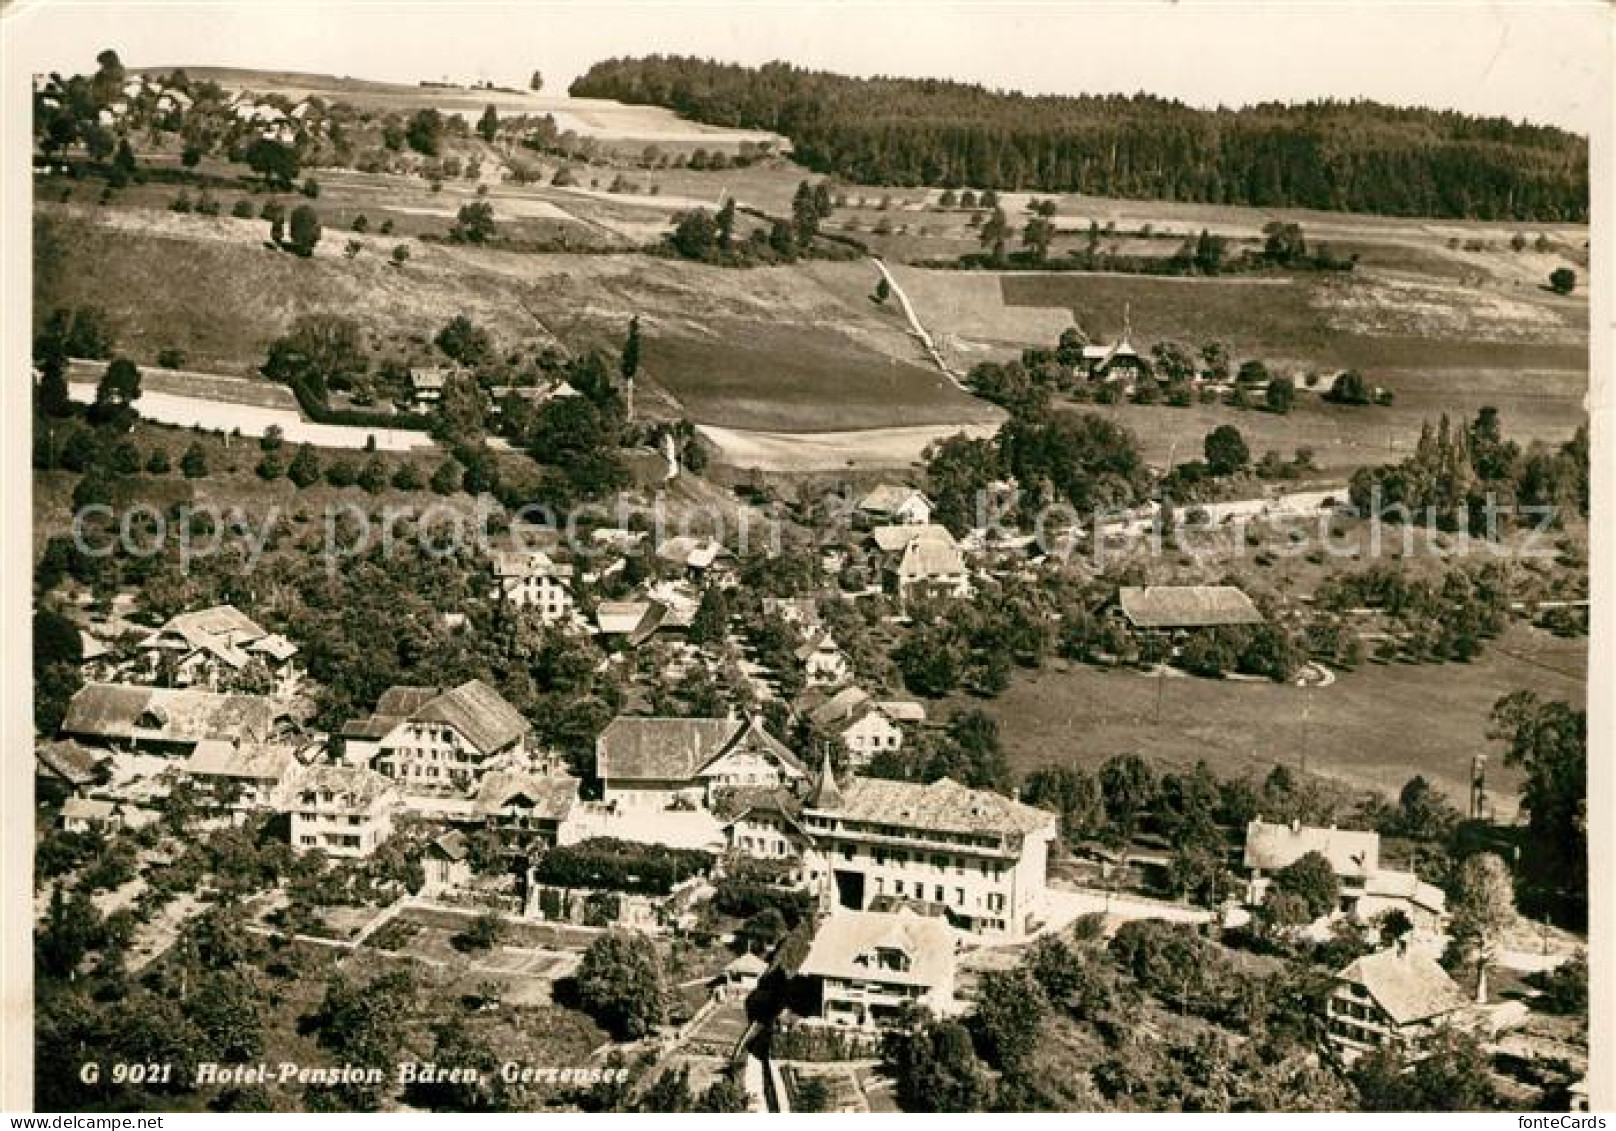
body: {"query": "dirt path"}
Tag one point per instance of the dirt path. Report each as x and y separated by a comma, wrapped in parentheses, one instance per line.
(916, 328)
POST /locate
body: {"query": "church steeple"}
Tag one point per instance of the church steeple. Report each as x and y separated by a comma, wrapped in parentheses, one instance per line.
(826, 794)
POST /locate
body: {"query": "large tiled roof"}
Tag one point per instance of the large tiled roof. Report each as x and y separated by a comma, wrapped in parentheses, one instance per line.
(888, 497)
(847, 936)
(931, 556)
(74, 764)
(669, 749)
(1352, 855)
(477, 711)
(128, 711)
(255, 761)
(943, 806)
(1187, 606)
(1409, 986)
(222, 630)
(550, 797)
(894, 539)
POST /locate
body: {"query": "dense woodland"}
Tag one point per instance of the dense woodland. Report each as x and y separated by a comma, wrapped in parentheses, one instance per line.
(1343, 156)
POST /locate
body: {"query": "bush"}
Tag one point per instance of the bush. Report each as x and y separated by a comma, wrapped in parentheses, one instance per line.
(616, 865)
(242, 209)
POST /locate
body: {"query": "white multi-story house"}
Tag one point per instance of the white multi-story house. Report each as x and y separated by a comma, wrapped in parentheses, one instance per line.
(976, 856)
(432, 740)
(1396, 998)
(344, 811)
(661, 763)
(1353, 855)
(532, 580)
(894, 503)
(870, 966)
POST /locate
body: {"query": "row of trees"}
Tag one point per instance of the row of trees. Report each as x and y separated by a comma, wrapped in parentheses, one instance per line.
(1457, 470)
(1356, 156)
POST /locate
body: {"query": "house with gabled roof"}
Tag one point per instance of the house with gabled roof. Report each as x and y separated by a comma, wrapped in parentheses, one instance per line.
(974, 856)
(870, 967)
(1396, 998)
(527, 808)
(696, 556)
(437, 740)
(446, 863)
(1354, 855)
(246, 775)
(661, 763)
(206, 645)
(532, 579)
(824, 664)
(896, 503)
(69, 764)
(923, 559)
(1170, 608)
(864, 725)
(767, 825)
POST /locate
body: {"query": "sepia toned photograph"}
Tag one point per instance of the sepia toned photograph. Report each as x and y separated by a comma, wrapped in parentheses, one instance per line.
(808, 558)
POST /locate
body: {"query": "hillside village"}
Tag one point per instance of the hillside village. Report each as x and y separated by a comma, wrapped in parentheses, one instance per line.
(730, 817)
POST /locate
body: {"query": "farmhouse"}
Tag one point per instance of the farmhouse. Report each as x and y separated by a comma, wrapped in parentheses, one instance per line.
(162, 720)
(1118, 362)
(892, 503)
(1394, 997)
(202, 647)
(426, 386)
(660, 763)
(1353, 856)
(245, 775)
(344, 811)
(869, 966)
(1172, 608)
(633, 622)
(436, 740)
(532, 580)
(973, 855)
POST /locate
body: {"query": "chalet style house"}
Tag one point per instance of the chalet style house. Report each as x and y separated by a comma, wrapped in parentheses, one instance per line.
(1393, 998)
(869, 966)
(202, 648)
(663, 763)
(975, 856)
(436, 740)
